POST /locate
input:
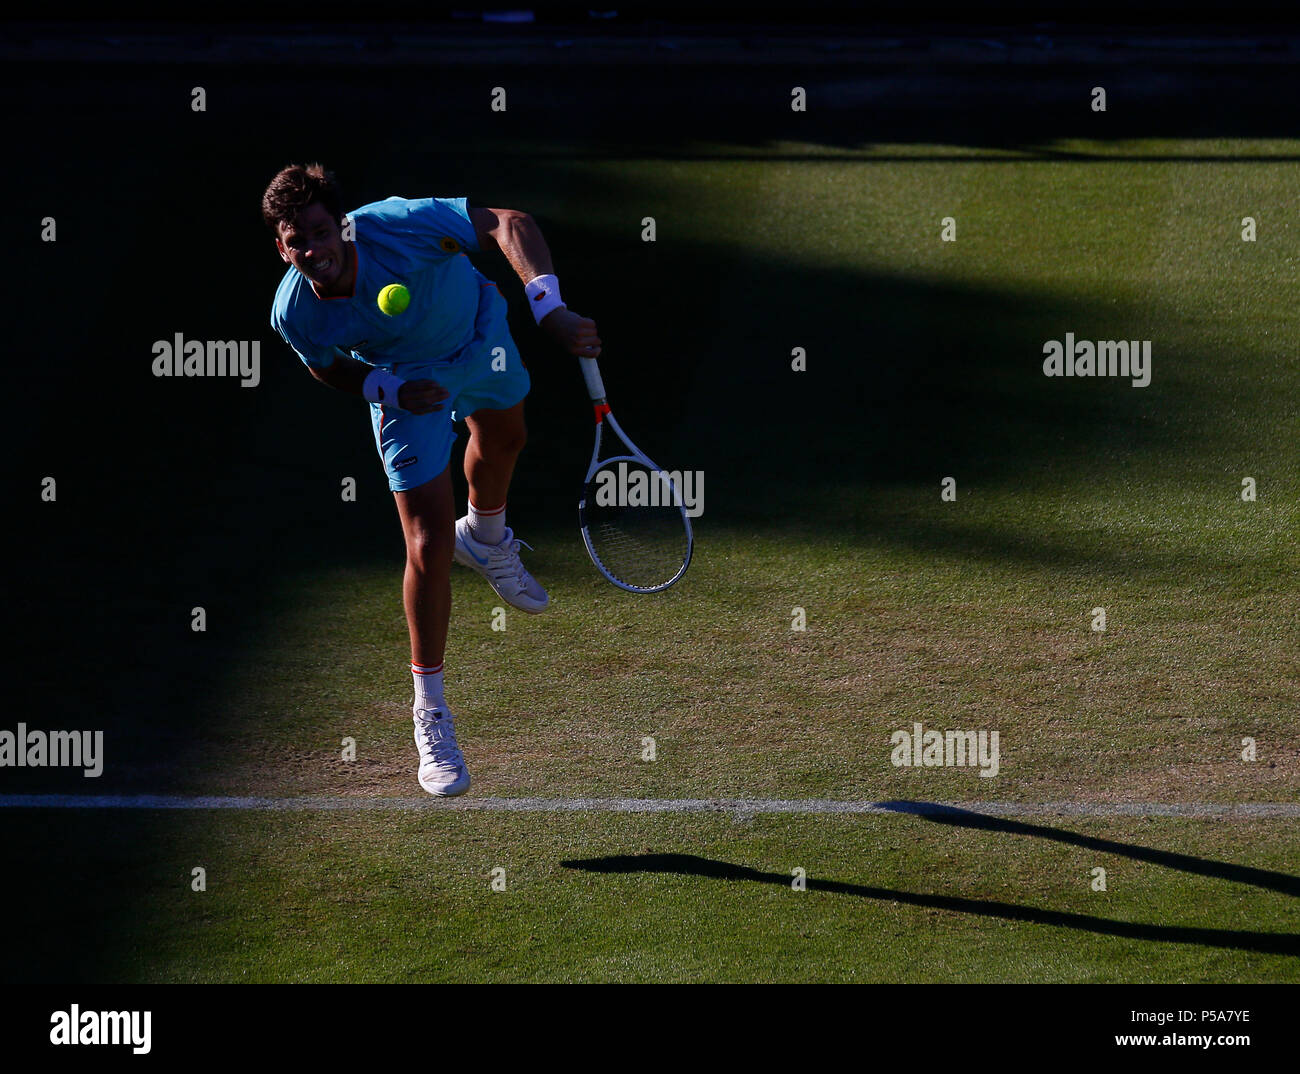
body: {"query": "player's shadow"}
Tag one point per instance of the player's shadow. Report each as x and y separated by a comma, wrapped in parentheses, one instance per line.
(1283, 883)
(1273, 943)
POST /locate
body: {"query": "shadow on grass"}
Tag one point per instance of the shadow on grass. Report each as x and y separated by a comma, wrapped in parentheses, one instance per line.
(1272, 943)
(1187, 863)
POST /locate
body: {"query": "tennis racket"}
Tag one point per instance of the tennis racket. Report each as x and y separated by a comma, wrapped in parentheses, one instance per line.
(633, 518)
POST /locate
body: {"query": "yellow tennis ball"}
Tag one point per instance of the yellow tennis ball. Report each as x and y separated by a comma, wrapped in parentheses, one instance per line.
(394, 299)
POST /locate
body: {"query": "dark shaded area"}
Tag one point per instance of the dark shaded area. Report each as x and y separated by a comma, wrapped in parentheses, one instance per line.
(90, 889)
(374, 96)
(1273, 943)
(644, 16)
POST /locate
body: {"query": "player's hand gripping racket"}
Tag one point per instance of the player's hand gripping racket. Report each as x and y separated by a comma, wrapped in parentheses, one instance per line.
(633, 518)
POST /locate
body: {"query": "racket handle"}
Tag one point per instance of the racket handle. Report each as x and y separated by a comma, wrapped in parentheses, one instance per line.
(591, 374)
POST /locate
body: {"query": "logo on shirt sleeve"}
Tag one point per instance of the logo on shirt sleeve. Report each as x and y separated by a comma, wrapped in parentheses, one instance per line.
(449, 245)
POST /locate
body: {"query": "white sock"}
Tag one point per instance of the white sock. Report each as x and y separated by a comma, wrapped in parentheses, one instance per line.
(428, 687)
(487, 527)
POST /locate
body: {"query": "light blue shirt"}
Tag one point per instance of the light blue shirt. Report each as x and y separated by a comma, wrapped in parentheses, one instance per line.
(417, 242)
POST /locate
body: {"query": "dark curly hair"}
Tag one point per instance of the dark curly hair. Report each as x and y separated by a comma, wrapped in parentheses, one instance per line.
(296, 187)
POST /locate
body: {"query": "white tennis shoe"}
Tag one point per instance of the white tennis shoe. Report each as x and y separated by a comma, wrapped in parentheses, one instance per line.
(501, 566)
(442, 766)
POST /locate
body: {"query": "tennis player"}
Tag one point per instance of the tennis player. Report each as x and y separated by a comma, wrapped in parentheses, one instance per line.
(447, 357)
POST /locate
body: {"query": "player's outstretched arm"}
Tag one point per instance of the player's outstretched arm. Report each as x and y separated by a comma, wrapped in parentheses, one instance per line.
(348, 375)
(518, 237)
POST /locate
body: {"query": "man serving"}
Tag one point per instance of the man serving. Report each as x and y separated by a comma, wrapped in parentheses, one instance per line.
(446, 356)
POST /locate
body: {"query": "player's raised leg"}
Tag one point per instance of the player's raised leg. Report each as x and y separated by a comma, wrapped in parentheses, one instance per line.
(484, 542)
(496, 439)
(428, 522)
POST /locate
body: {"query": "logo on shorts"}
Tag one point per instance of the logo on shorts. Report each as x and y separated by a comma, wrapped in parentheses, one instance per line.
(449, 245)
(406, 462)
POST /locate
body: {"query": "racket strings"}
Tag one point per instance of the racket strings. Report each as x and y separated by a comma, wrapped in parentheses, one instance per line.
(636, 526)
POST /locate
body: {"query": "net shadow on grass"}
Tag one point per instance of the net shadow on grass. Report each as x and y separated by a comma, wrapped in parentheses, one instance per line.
(1274, 943)
(1268, 879)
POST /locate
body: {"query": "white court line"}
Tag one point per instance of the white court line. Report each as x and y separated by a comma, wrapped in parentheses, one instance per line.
(736, 807)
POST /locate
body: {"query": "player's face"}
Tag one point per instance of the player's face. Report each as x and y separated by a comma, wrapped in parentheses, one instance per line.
(314, 246)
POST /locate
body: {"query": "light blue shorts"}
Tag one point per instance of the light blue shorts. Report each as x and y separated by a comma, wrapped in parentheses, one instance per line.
(487, 375)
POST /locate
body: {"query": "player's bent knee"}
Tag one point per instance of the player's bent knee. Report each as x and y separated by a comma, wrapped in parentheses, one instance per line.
(511, 439)
(501, 447)
(514, 444)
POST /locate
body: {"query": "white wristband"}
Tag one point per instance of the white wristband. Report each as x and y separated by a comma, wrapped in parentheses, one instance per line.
(381, 386)
(543, 296)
